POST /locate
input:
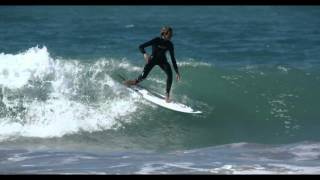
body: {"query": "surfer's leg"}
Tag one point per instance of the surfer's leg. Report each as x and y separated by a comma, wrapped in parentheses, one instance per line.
(167, 69)
(146, 70)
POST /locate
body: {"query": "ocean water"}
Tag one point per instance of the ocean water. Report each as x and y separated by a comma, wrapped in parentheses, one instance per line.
(252, 70)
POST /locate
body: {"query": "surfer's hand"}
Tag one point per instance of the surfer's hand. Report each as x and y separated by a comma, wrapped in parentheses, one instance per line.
(146, 57)
(178, 77)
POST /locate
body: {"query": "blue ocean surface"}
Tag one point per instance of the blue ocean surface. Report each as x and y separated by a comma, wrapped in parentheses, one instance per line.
(252, 70)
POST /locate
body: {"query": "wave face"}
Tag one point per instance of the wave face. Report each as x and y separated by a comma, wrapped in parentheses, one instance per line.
(55, 100)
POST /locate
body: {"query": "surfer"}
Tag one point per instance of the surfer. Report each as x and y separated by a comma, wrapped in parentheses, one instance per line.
(160, 45)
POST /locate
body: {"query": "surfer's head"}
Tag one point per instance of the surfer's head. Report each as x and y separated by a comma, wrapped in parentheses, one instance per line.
(166, 32)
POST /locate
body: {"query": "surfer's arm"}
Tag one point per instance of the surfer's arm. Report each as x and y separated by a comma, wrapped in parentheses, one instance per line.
(146, 44)
(173, 59)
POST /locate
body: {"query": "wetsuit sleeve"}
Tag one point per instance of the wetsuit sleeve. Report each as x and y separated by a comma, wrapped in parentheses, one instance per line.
(146, 44)
(173, 59)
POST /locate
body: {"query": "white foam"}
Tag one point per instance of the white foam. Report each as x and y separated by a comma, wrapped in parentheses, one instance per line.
(129, 26)
(238, 145)
(193, 64)
(157, 80)
(292, 169)
(58, 117)
(271, 168)
(149, 168)
(251, 169)
(16, 70)
(17, 158)
(59, 114)
(130, 67)
(306, 152)
(283, 69)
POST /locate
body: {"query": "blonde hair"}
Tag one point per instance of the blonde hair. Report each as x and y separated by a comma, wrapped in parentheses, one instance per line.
(165, 30)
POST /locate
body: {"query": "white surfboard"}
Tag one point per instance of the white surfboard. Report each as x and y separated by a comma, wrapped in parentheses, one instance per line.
(159, 99)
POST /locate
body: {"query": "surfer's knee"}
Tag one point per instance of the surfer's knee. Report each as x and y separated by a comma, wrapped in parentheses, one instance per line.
(169, 78)
(169, 73)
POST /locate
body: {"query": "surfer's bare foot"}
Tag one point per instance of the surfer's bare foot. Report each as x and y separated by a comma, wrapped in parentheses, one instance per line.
(130, 82)
(167, 98)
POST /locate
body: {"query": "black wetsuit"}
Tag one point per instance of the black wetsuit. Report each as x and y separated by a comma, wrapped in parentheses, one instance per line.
(158, 57)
